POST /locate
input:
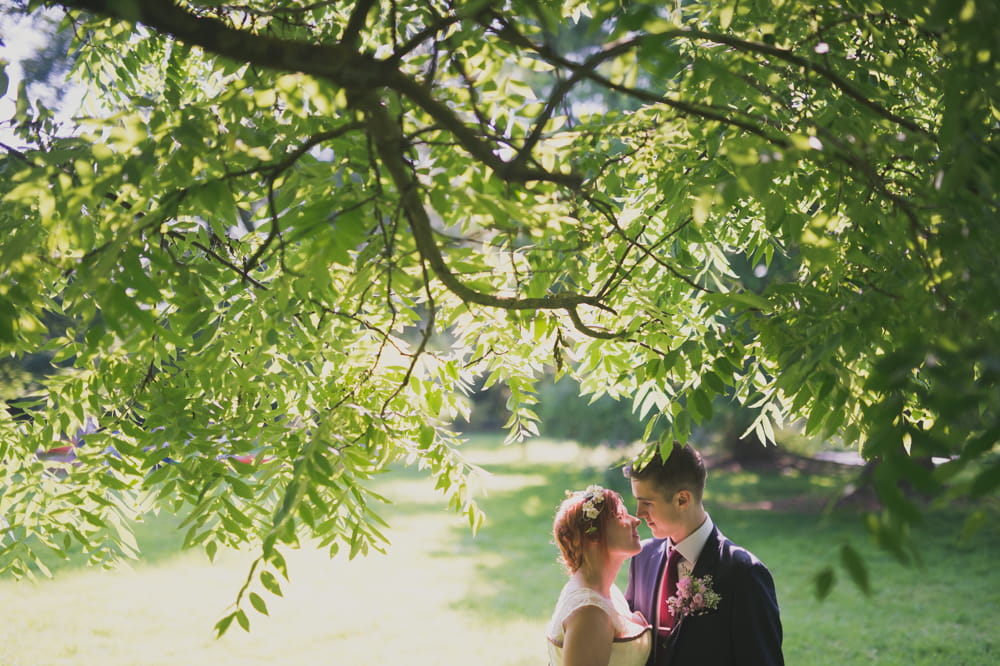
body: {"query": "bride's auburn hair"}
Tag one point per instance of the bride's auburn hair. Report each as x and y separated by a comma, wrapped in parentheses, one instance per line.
(572, 526)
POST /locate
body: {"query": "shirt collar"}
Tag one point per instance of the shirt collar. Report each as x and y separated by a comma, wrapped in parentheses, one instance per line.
(690, 547)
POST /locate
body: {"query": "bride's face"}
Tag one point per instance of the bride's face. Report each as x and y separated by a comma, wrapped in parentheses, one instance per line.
(622, 533)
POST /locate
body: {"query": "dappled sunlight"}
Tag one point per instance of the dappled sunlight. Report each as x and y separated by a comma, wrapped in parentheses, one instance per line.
(739, 479)
(732, 490)
(542, 450)
(419, 491)
(785, 488)
(286, 252)
(533, 506)
(507, 482)
(532, 451)
(825, 482)
(369, 608)
(440, 595)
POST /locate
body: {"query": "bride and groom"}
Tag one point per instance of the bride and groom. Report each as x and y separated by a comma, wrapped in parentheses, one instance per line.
(693, 598)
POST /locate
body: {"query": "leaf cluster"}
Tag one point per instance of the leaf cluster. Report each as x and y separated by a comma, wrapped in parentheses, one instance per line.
(298, 234)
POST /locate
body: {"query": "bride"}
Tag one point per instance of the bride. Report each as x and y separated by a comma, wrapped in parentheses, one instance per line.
(592, 624)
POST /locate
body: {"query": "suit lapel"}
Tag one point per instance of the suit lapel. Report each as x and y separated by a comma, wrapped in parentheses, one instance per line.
(710, 554)
(661, 562)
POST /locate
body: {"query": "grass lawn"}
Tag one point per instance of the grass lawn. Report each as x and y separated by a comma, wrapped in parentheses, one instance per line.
(441, 596)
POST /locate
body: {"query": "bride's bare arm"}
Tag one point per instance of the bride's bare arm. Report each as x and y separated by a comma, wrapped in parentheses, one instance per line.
(589, 634)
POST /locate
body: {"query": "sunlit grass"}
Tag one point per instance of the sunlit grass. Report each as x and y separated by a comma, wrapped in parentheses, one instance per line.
(442, 596)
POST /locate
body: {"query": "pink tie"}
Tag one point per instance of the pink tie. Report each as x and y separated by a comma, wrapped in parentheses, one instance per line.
(669, 590)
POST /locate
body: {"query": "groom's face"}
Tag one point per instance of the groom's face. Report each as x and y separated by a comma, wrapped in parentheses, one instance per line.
(661, 514)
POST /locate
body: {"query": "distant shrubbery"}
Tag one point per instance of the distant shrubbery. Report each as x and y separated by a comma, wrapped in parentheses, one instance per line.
(564, 414)
(567, 415)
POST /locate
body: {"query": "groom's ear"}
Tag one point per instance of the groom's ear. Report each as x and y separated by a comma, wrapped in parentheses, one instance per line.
(683, 499)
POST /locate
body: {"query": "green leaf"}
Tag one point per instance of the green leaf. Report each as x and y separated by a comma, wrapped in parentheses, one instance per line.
(823, 583)
(270, 583)
(701, 405)
(240, 488)
(979, 445)
(714, 382)
(258, 603)
(986, 481)
(816, 416)
(349, 231)
(855, 567)
(426, 437)
(92, 518)
(223, 625)
(8, 317)
(278, 561)
(740, 300)
(725, 369)
(726, 15)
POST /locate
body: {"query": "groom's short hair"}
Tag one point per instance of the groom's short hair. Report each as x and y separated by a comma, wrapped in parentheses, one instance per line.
(683, 469)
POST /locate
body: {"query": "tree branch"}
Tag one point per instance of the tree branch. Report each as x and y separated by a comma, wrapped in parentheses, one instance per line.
(559, 93)
(425, 338)
(18, 154)
(222, 260)
(512, 35)
(838, 81)
(338, 64)
(647, 252)
(276, 168)
(420, 37)
(389, 143)
(356, 23)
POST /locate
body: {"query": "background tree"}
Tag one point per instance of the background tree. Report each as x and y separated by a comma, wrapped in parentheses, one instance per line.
(297, 233)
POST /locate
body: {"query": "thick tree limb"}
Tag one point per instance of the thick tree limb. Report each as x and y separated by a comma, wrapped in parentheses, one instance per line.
(356, 23)
(339, 64)
(830, 75)
(588, 69)
(389, 144)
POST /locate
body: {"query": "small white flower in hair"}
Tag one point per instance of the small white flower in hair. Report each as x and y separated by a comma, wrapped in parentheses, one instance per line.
(593, 505)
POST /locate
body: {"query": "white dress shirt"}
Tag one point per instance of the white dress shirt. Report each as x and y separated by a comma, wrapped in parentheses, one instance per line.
(690, 548)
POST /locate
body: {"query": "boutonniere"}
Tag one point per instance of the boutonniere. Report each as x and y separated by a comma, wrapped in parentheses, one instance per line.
(695, 596)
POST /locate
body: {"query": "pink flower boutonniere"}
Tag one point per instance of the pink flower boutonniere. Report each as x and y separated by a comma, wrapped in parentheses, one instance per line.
(695, 596)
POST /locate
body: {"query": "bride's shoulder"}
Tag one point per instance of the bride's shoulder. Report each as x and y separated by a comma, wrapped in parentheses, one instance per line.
(574, 595)
(578, 596)
(575, 588)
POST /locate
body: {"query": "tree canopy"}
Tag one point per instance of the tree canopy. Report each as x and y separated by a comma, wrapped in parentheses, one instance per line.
(290, 237)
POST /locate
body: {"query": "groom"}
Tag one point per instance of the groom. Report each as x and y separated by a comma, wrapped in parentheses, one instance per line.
(744, 626)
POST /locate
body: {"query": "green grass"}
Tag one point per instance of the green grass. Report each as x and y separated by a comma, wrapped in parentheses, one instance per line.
(442, 596)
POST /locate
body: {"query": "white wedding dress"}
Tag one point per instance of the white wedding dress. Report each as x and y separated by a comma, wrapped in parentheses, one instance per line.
(632, 640)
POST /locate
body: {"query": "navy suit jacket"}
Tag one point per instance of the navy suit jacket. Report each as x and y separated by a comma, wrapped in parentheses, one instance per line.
(744, 629)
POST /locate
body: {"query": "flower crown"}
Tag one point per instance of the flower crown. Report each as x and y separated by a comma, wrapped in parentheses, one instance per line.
(593, 504)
